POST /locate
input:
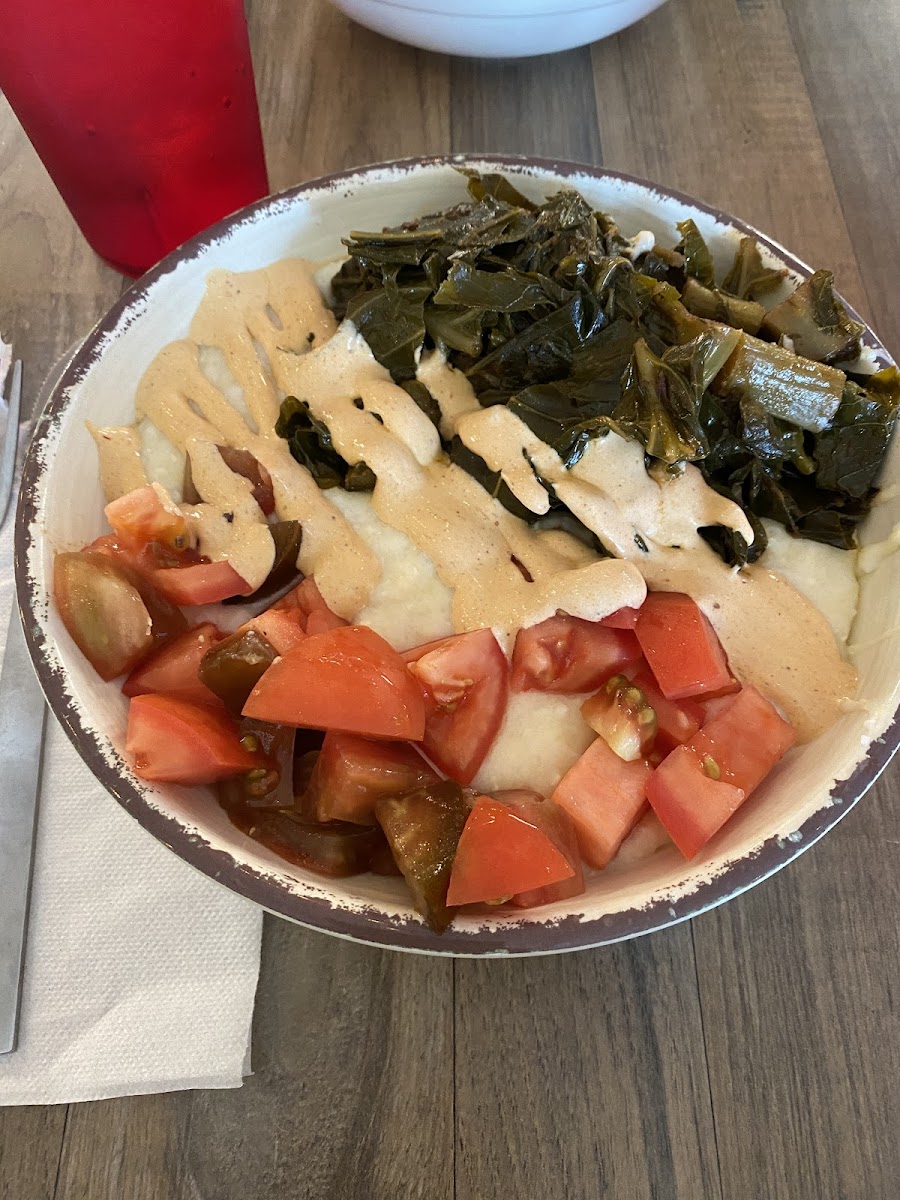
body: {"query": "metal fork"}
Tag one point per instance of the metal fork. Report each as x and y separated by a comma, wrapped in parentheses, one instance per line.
(22, 719)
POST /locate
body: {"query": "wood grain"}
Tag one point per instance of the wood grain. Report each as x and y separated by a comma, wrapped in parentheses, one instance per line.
(540, 106)
(710, 99)
(583, 1077)
(351, 1096)
(31, 1142)
(848, 54)
(800, 989)
(334, 95)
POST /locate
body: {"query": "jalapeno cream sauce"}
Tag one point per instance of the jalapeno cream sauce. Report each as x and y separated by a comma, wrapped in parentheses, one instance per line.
(430, 552)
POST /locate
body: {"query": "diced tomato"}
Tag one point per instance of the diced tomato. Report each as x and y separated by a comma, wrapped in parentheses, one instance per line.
(336, 849)
(204, 583)
(501, 854)
(746, 738)
(681, 647)
(174, 741)
(604, 796)
(148, 514)
(305, 597)
(173, 668)
(382, 861)
(690, 804)
(711, 707)
(320, 620)
(676, 720)
(622, 618)
(232, 667)
(423, 829)
(283, 629)
(697, 788)
(103, 612)
(280, 784)
(556, 823)
(619, 712)
(465, 683)
(306, 609)
(349, 680)
(145, 557)
(351, 773)
(566, 654)
(112, 614)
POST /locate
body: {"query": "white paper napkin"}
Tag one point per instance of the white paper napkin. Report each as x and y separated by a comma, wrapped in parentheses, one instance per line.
(140, 973)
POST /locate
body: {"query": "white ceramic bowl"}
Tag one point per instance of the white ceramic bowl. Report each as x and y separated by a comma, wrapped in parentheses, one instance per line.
(61, 508)
(500, 29)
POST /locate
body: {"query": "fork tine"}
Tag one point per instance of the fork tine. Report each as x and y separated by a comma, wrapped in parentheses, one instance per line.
(11, 441)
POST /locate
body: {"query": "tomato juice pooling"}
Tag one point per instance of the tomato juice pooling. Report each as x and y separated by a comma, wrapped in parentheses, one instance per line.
(143, 111)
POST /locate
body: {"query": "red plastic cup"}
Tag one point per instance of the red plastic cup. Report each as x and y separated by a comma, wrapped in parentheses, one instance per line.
(143, 111)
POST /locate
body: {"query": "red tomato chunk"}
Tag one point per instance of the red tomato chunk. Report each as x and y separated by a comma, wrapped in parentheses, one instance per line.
(464, 681)
(351, 773)
(567, 655)
(283, 629)
(173, 669)
(702, 783)
(173, 741)
(681, 647)
(244, 463)
(347, 679)
(202, 583)
(306, 599)
(746, 737)
(114, 617)
(556, 823)
(147, 515)
(604, 796)
(500, 854)
(622, 618)
(676, 720)
(690, 804)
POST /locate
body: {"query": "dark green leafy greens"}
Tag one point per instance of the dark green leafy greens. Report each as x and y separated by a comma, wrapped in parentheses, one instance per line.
(545, 310)
(310, 443)
(698, 263)
(816, 322)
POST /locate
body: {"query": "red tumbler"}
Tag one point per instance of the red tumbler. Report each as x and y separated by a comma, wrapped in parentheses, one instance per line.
(143, 111)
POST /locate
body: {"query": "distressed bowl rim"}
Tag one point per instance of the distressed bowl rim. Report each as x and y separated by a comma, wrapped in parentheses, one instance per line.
(371, 925)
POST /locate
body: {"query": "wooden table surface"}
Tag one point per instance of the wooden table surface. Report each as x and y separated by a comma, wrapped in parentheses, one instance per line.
(751, 1054)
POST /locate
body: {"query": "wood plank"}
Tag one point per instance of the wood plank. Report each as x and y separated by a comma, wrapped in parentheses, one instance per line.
(541, 106)
(352, 1093)
(709, 98)
(31, 1141)
(799, 986)
(848, 53)
(334, 95)
(582, 1077)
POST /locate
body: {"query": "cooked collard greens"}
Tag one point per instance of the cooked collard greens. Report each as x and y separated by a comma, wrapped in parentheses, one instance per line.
(548, 309)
